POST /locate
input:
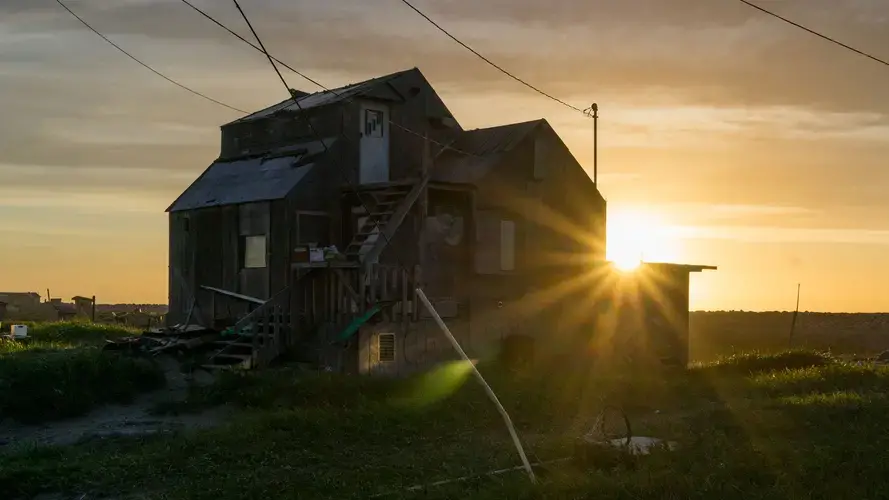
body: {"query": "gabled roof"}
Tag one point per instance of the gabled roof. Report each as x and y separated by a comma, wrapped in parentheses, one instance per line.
(376, 87)
(485, 148)
(499, 139)
(249, 180)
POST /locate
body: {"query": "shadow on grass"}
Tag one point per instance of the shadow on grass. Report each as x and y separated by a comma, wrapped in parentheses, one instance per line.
(43, 385)
(330, 436)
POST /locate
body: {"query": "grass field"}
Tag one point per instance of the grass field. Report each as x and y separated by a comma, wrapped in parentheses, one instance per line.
(721, 333)
(60, 371)
(791, 425)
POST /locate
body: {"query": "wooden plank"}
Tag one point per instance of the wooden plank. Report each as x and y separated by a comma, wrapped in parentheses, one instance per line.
(324, 265)
(331, 297)
(404, 295)
(415, 282)
(362, 276)
(318, 213)
(374, 271)
(384, 291)
(383, 280)
(353, 295)
(278, 341)
(234, 295)
(397, 218)
(340, 293)
(312, 292)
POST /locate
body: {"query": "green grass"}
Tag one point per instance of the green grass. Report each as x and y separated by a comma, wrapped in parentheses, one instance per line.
(753, 427)
(60, 371)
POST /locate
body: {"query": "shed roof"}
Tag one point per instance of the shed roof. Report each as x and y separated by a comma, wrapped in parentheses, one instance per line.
(486, 147)
(248, 180)
(326, 97)
(691, 268)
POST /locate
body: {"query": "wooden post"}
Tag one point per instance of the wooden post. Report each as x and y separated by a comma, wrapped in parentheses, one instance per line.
(212, 310)
(404, 296)
(793, 321)
(93, 312)
(362, 289)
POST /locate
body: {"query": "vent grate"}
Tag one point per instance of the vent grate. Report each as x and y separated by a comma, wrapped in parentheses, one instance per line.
(387, 347)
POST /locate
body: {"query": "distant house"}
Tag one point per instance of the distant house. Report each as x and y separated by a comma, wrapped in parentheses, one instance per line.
(482, 220)
(83, 305)
(64, 311)
(23, 306)
(16, 301)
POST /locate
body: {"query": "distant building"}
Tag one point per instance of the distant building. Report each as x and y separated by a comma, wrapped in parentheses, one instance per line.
(17, 301)
(83, 305)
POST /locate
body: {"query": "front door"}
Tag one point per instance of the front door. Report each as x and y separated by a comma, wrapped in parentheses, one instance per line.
(374, 149)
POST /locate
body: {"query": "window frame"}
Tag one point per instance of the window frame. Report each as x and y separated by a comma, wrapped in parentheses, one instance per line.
(245, 260)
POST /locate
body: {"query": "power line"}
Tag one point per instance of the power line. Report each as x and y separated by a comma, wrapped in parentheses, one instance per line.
(262, 46)
(248, 42)
(146, 66)
(325, 88)
(485, 59)
(374, 221)
(800, 26)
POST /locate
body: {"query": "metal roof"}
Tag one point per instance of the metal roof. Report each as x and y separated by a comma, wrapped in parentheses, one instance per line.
(247, 180)
(691, 268)
(324, 98)
(485, 148)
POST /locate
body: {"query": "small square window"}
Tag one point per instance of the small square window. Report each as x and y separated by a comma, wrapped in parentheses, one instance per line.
(386, 346)
(254, 252)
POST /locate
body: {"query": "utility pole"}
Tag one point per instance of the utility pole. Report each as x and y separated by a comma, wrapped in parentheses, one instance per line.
(595, 108)
(793, 322)
(593, 112)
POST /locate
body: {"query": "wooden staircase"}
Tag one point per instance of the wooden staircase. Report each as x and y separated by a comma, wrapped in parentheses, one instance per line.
(388, 206)
(257, 338)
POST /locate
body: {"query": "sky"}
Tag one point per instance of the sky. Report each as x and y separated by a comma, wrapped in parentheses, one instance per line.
(727, 137)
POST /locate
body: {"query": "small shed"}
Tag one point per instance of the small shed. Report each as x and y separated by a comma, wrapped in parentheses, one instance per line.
(652, 308)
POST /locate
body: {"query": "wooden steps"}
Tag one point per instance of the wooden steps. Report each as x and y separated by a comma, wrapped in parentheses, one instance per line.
(387, 210)
(269, 335)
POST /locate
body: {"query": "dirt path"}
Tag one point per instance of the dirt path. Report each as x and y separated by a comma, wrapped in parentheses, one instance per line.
(118, 420)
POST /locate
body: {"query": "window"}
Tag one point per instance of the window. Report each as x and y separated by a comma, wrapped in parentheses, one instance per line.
(507, 245)
(373, 123)
(254, 251)
(386, 346)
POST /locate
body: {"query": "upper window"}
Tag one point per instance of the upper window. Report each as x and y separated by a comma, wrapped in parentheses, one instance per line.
(373, 123)
(254, 252)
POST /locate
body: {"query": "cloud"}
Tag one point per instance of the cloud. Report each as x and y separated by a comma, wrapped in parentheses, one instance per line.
(770, 234)
(698, 53)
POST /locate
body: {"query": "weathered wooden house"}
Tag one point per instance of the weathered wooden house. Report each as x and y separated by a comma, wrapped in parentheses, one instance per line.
(482, 219)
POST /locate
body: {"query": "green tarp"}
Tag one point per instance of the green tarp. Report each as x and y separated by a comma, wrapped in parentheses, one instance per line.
(357, 322)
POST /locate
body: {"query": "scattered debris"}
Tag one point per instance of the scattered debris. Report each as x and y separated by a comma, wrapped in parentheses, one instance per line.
(641, 445)
(166, 340)
(421, 487)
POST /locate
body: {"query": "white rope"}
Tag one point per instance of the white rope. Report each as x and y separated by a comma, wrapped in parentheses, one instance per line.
(419, 487)
(506, 419)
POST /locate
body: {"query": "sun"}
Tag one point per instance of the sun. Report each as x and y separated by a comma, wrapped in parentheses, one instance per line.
(636, 235)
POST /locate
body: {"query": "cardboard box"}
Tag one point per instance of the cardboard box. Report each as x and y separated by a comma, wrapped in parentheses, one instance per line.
(316, 255)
